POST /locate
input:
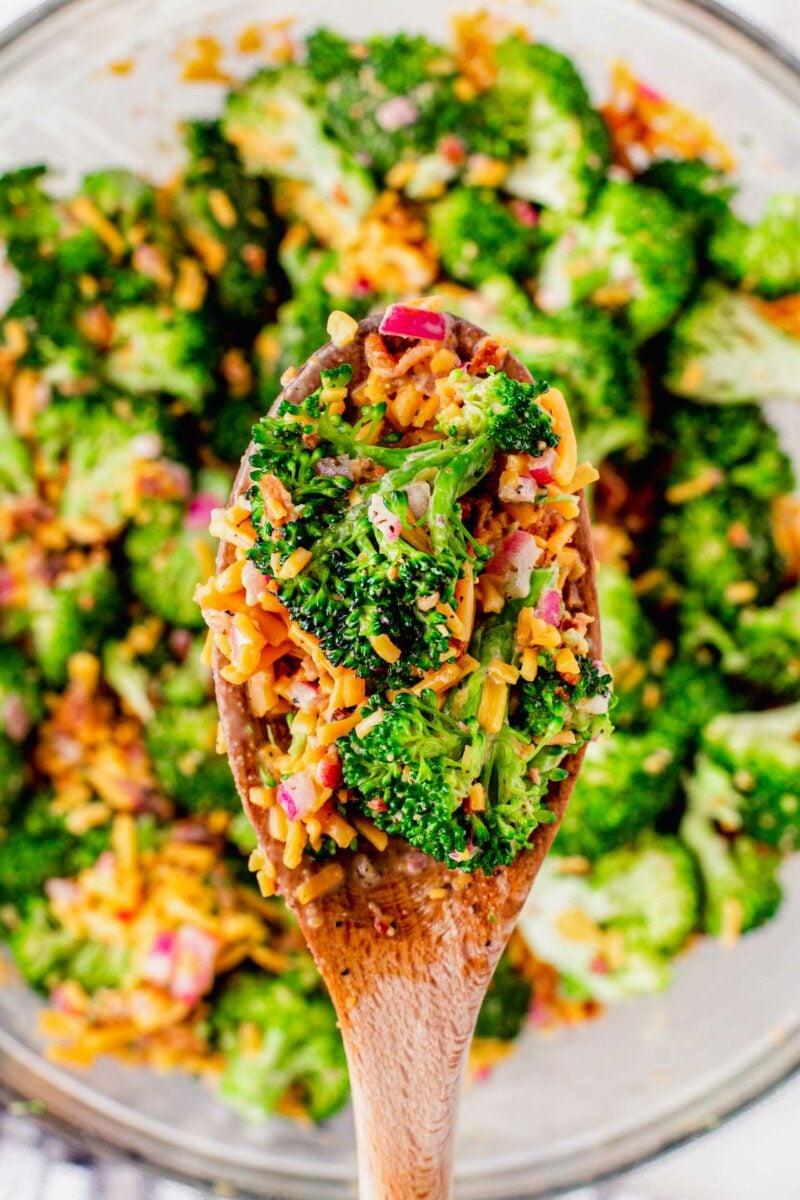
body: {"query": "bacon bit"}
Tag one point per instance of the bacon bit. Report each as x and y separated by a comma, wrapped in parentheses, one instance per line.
(644, 125)
(96, 325)
(452, 148)
(488, 353)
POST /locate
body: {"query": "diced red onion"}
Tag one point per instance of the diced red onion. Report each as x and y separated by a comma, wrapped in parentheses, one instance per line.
(15, 718)
(159, 961)
(541, 470)
(199, 510)
(180, 642)
(463, 855)
(329, 771)
(303, 695)
(549, 607)
(525, 213)
(62, 891)
(383, 519)
(513, 562)
(329, 468)
(195, 958)
(649, 93)
(254, 583)
(403, 320)
(596, 705)
(397, 113)
(296, 795)
(419, 499)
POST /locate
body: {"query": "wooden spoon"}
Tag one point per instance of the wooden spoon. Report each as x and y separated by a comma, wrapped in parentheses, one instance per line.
(406, 969)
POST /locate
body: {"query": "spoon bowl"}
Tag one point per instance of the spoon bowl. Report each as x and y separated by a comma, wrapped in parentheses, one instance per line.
(406, 947)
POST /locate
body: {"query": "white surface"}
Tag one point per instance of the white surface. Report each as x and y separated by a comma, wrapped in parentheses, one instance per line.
(754, 1157)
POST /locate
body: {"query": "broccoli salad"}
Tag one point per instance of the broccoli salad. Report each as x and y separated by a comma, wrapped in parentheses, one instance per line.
(150, 331)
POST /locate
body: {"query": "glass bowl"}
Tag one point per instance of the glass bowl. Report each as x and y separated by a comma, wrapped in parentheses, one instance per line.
(590, 1100)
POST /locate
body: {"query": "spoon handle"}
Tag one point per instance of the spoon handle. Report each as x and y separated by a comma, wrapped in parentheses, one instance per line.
(407, 1041)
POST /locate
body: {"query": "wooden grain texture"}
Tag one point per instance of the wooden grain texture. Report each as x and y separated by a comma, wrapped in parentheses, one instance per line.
(406, 973)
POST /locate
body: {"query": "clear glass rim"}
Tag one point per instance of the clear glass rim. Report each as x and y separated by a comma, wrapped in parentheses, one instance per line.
(773, 60)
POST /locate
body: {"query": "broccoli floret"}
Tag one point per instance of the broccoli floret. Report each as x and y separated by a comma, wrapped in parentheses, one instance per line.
(276, 123)
(541, 102)
(691, 693)
(75, 612)
(389, 99)
(551, 704)
(584, 354)
(47, 954)
(360, 588)
(218, 201)
(38, 846)
(723, 350)
(182, 744)
(478, 235)
(764, 257)
(16, 468)
(27, 216)
(21, 704)
(96, 449)
(739, 874)
(505, 1006)
(299, 1049)
(760, 754)
(170, 555)
(12, 774)
(154, 350)
(718, 543)
(632, 254)
(767, 646)
(731, 445)
(634, 911)
(186, 681)
(628, 639)
(129, 678)
(626, 781)
(699, 190)
(415, 767)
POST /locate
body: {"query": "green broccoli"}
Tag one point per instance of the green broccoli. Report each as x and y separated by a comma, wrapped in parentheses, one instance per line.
(477, 236)
(761, 647)
(584, 354)
(764, 257)
(187, 680)
(76, 611)
(759, 752)
(732, 445)
(16, 467)
(699, 190)
(540, 101)
(129, 678)
(506, 1004)
(38, 846)
(181, 741)
(95, 448)
(170, 554)
(155, 350)
(388, 99)
(611, 933)
(47, 954)
(628, 639)
(721, 550)
(217, 200)
(626, 782)
(723, 350)
(21, 704)
(364, 578)
(739, 875)
(12, 774)
(275, 121)
(299, 1049)
(632, 253)
(414, 767)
